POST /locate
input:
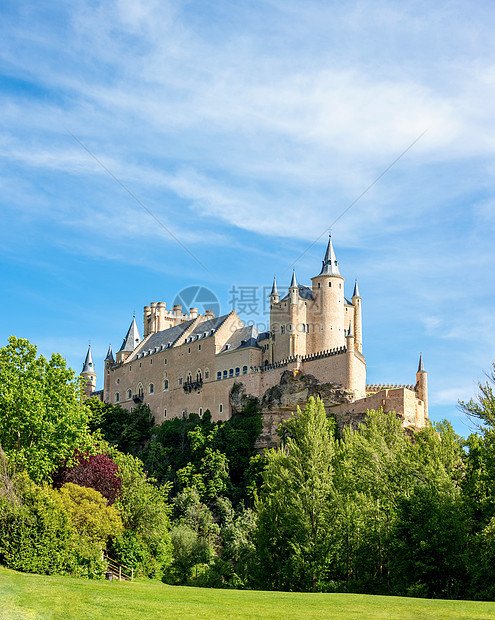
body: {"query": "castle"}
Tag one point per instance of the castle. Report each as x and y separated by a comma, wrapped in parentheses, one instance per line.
(189, 362)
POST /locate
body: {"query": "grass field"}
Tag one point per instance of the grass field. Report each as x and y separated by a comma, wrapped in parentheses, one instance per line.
(38, 597)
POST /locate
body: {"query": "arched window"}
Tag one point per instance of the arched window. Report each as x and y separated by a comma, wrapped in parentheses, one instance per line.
(117, 397)
(164, 413)
(151, 388)
(237, 371)
(231, 372)
(207, 373)
(224, 374)
(140, 389)
(165, 384)
(129, 394)
(199, 376)
(189, 378)
(244, 370)
(220, 408)
(201, 412)
(219, 375)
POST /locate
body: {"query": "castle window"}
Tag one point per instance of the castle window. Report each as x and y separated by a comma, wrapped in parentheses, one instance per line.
(130, 368)
(244, 370)
(117, 397)
(199, 347)
(224, 374)
(237, 372)
(318, 285)
(340, 285)
(219, 375)
(184, 414)
(129, 394)
(207, 373)
(165, 361)
(220, 408)
(118, 380)
(151, 362)
(165, 384)
(189, 378)
(307, 327)
(201, 412)
(140, 389)
(231, 372)
(180, 380)
(189, 349)
(139, 364)
(164, 413)
(283, 329)
(329, 284)
(108, 372)
(152, 388)
(199, 376)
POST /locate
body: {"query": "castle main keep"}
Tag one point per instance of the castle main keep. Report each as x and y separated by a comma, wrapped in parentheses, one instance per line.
(188, 362)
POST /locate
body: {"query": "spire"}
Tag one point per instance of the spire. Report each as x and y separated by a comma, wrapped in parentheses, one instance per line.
(349, 332)
(132, 338)
(88, 367)
(421, 367)
(109, 357)
(356, 290)
(274, 288)
(330, 264)
(293, 282)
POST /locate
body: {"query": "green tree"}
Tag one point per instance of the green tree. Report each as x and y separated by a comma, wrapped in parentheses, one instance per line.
(42, 420)
(294, 535)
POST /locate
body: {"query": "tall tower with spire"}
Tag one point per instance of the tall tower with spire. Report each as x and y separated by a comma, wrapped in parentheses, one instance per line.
(328, 311)
(109, 362)
(89, 374)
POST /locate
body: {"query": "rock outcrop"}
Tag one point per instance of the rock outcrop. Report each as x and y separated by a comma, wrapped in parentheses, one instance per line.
(294, 390)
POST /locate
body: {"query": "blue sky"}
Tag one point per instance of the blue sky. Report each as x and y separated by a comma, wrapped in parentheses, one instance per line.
(247, 128)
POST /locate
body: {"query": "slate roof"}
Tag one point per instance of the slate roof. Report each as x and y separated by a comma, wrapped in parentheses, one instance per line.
(168, 337)
(305, 292)
(88, 363)
(330, 264)
(132, 338)
(244, 337)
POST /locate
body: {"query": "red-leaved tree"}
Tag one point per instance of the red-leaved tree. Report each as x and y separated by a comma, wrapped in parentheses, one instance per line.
(97, 471)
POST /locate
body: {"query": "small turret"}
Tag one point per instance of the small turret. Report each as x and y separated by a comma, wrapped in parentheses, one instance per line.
(421, 387)
(274, 296)
(109, 362)
(358, 325)
(109, 357)
(89, 374)
(293, 289)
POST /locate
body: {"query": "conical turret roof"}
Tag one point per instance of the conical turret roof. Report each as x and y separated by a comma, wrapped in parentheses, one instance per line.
(274, 288)
(88, 367)
(356, 290)
(109, 357)
(421, 367)
(293, 282)
(330, 264)
(132, 338)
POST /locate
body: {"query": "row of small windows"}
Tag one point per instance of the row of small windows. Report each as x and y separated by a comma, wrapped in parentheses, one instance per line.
(231, 373)
(300, 327)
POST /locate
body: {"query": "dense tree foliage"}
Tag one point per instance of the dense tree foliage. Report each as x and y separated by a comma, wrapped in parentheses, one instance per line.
(375, 509)
(41, 418)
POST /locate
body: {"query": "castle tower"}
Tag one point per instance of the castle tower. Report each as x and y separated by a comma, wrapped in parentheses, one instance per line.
(274, 296)
(358, 326)
(89, 374)
(131, 341)
(421, 387)
(328, 308)
(293, 315)
(109, 362)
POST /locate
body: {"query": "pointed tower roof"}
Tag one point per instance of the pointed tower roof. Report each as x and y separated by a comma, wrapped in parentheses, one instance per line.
(330, 264)
(109, 357)
(349, 332)
(421, 367)
(132, 338)
(293, 282)
(356, 290)
(88, 367)
(274, 288)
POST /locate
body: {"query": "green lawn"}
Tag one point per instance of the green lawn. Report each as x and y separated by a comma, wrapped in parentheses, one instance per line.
(35, 596)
